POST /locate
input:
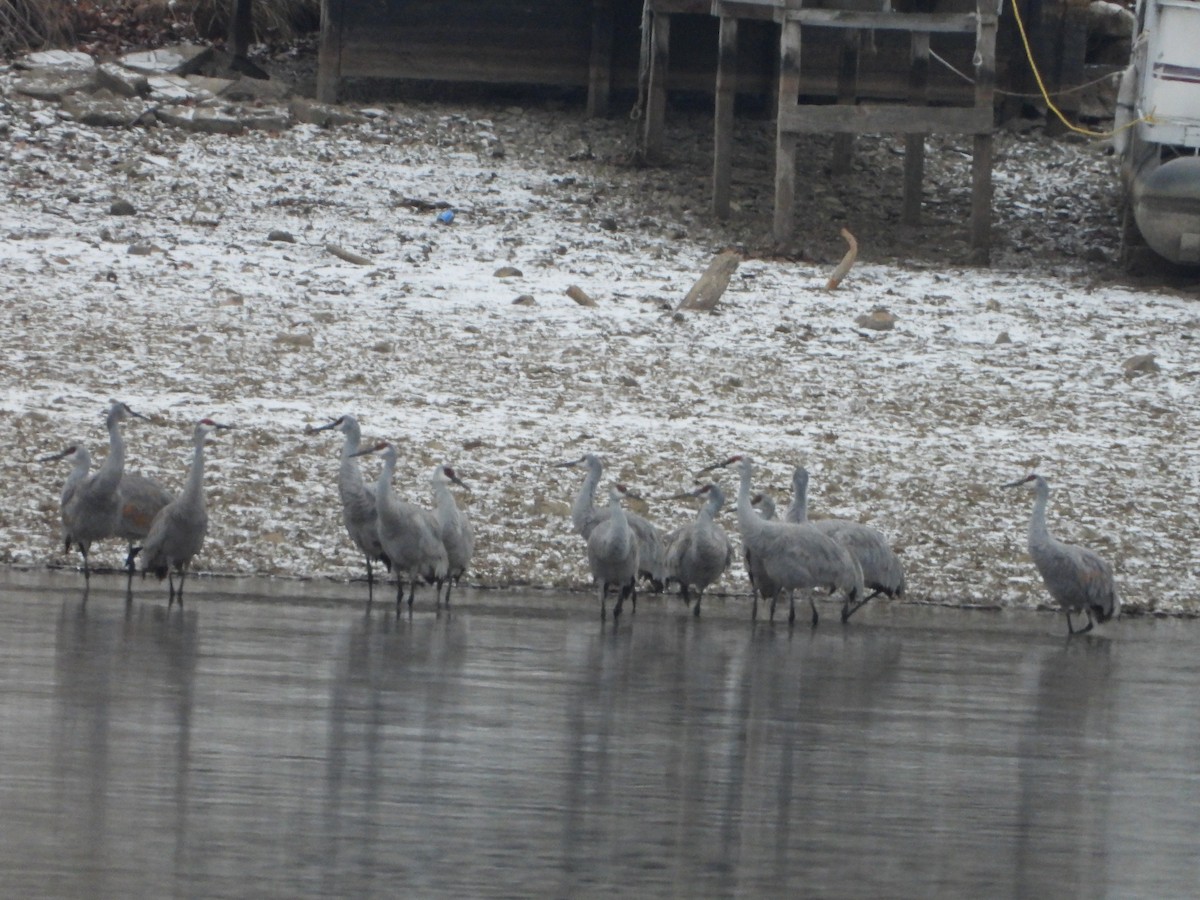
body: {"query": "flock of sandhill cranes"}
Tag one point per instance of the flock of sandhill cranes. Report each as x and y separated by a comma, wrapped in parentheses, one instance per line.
(436, 546)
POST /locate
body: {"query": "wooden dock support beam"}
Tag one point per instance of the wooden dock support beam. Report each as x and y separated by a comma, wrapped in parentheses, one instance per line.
(656, 104)
(914, 144)
(847, 94)
(785, 140)
(981, 163)
(726, 94)
(600, 62)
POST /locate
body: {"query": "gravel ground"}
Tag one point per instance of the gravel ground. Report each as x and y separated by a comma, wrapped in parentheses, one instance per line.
(185, 309)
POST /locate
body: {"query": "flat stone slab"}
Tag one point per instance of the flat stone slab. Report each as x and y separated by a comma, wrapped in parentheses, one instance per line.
(122, 81)
(265, 119)
(52, 85)
(200, 119)
(180, 59)
(171, 88)
(59, 60)
(323, 115)
(204, 86)
(112, 112)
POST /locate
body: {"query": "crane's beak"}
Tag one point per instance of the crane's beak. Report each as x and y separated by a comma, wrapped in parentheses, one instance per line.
(1025, 480)
(569, 462)
(313, 429)
(686, 494)
(54, 457)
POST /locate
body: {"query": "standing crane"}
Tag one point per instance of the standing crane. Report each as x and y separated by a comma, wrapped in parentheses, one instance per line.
(178, 531)
(453, 525)
(585, 516)
(140, 499)
(1077, 578)
(358, 502)
(793, 556)
(612, 549)
(92, 511)
(699, 552)
(408, 533)
(765, 505)
(881, 568)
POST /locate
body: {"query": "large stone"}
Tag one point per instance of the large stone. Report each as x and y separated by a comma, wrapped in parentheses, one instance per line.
(60, 60)
(171, 88)
(181, 59)
(122, 81)
(323, 115)
(51, 85)
(273, 90)
(200, 119)
(265, 119)
(209, 87)
(108, 112)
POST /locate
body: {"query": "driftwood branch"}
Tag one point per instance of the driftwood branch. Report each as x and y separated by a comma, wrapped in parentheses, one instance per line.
(843, 268)
(711, 285)
(342, 253)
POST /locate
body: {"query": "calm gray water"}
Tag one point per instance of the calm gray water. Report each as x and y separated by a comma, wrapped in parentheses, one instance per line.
(278, 741)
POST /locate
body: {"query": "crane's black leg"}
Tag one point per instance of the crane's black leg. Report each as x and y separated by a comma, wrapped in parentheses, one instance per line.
(412, 592)
(699, 597)
(857, 606)
(633, 594)
(684, 595)
(399, 594)
(792, 607)
(754, 607)
(603, 595)
(774, 600)
(170, 589)
(812, 601)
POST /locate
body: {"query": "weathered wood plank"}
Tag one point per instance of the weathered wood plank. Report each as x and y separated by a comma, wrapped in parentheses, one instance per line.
(981, 163)
(785, 139)
(711, 285)
(600, 62)
(914, 144)
(656, 104)
(329, 52)
(847, 93)
(726, 92)
(945, 23)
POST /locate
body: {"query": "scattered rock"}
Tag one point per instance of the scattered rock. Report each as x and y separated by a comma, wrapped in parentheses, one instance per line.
(170, 89)
(473, 444)
(265, 120)
(525, 300)
(62, 60)
(100, 112)
(1142, 364)
(205, 214)
(876, 320)
(278, 234)
(141, 248)
(1003, 338)
(122, 208)
(508, 272)
(200, 119)
(629, 381)
(992, 305)
(322, 115)
(122, 81)
(51, 86)
(580, 296)
(383, 347)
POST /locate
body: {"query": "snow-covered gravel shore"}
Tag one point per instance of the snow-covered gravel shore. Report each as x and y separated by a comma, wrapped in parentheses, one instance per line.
(912, 429)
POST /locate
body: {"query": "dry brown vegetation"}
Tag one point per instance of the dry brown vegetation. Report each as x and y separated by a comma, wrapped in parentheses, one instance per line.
(113, 25)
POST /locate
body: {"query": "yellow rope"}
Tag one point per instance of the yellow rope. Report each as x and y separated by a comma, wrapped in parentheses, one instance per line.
(1046, 96)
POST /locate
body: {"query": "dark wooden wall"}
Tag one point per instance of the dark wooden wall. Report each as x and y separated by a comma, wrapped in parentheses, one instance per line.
(549, 42)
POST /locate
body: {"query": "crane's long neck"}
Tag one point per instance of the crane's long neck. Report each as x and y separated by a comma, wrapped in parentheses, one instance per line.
(443, 499)
(620, 521)
(708, 512)
(350, 478)
(798, 511)
(194, 489)
(585, 500)
(383, 487)
(748, 522)
(110, 471)
(1038, 533)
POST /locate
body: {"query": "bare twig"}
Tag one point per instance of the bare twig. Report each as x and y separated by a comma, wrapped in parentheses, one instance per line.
(843, 268)
(348, 256)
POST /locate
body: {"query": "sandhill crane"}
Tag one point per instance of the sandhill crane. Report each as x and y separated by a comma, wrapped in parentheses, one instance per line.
(93, 510)
(140, 499)
(454, 527)
(358, 502)
(793, 556)
(612, 549)
(1077, 578)
(881, 568)
(699, 552)
(409, 534)
(178, 531)
(754, 569)
(585, 516)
